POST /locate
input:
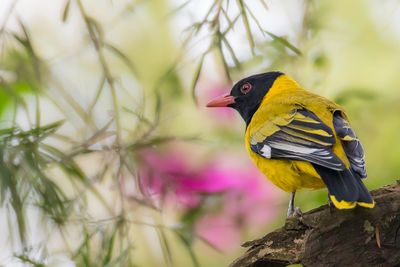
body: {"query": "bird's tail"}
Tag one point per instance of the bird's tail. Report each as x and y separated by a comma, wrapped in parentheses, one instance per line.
(345, 188)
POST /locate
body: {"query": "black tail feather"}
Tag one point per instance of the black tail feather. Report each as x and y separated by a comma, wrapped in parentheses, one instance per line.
(345, 188)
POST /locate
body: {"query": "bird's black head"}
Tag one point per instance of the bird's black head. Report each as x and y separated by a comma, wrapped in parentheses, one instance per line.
(246, 95)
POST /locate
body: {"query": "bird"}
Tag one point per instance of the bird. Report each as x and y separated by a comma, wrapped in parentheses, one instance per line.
(299, 140)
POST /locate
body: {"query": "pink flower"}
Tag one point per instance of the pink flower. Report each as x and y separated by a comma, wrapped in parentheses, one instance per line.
(232, 194)
(250, 202)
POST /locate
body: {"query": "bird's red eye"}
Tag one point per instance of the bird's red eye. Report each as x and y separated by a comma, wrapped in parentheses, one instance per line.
(246, 88)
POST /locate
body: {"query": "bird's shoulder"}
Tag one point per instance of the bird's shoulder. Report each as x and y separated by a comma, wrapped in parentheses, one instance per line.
(298, 96)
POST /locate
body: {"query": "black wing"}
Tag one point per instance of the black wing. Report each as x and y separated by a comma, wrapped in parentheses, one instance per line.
(351, 145)
(304, 137)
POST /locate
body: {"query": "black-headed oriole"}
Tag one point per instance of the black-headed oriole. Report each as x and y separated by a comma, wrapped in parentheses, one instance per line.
(299, 139)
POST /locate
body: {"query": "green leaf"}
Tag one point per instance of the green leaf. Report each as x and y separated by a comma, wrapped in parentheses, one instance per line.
(264, 4)
(121, 259)
(178, 8)
(246, 25)
(231, 51)
(284, 42)
(196, 77)
(192, 215)
(9, 183)
(66, 11)
(157, 141)
(165, 246)
(186, 239)
(122, 56)
(31, 262)
(109, 247)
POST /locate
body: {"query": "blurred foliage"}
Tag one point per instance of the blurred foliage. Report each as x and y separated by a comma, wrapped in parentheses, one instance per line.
(220, 23)
(72, 143)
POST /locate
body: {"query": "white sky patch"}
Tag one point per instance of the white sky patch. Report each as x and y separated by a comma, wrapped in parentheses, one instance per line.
(386, 14)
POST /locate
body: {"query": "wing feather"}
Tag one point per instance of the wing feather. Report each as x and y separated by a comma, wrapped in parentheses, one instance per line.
(351, 145)
(303, 136)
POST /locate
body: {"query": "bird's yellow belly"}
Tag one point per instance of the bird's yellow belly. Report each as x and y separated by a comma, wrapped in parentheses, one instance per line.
(289, 175)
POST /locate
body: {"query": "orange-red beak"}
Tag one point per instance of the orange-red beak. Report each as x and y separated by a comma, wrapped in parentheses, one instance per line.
(221, 101)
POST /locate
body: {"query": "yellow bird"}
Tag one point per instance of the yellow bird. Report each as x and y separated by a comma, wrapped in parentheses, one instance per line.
(299, 139)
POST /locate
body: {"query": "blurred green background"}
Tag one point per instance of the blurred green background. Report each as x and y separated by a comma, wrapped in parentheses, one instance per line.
(109, 156)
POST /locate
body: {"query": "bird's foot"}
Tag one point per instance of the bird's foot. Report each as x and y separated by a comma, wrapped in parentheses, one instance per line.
(294, 213)
(294, 219)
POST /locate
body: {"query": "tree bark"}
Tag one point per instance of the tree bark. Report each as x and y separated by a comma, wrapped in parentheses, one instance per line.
(329, 237)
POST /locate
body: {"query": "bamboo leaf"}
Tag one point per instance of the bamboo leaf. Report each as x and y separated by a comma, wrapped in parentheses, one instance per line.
(120, 260)
(110, 247)
(178, 8)
(230, 25)
(165, 246)
(100, 134)
(8, 183)
(196, 78)
(154, 141)
(66, 163)
(98, 94)
(84, 250)
(284, 42)
(231, 52)
(31, 262)
(49, 128)
(29, 48)
(226, 16)
(138, 115)
(96, 32)
(246, 25)
(264, 4)
(122, 56)
(69, 166)
(186, 240)
(52, 199)
(66, 11)
(224, 63)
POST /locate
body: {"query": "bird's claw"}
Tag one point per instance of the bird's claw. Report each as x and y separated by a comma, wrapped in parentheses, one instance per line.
(298, 212)
(294, 213)
(294, 219)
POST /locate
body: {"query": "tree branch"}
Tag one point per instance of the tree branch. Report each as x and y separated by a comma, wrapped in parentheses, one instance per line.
(330, 237)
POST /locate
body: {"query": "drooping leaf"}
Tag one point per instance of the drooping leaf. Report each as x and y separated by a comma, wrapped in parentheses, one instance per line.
(186, 238)
(109, 246)
(284, 42)
(122, 56)
(66, 11)
(246, 24)
(196, 77)
(165, 246)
